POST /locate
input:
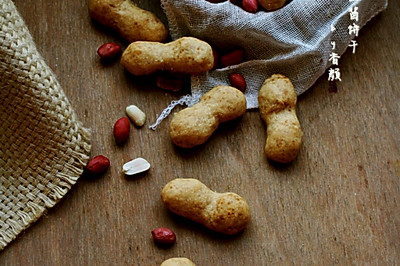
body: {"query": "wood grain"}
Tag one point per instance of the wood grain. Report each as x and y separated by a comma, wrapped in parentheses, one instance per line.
(338, 203)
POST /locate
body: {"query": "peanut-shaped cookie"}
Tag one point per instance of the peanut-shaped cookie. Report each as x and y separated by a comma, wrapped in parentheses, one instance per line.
(277, 104)
(130, 21)
(227, 213)
(194, 125)
(186, 55)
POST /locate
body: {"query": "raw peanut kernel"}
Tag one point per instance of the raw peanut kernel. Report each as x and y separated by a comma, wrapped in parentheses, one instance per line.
(216, 58)
(135, 166)
(98, 165)
(164, 236)
(109, 51)
(233, 58)
(250, 5)
(136, 115)
(169, 84)
(121, 130)
(237, 80)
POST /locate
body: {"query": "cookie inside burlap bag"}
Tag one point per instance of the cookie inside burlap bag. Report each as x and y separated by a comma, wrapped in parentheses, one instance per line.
(43, 147)
(295, 41)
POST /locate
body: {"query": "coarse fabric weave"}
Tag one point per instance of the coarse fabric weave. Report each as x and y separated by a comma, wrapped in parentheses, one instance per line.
(43, 147)
(294, 41)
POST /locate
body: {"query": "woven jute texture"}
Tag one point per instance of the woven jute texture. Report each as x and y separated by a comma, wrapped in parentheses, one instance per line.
(43, 147)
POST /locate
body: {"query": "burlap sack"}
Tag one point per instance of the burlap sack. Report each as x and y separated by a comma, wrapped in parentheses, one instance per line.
(43, 147)
(294, 41)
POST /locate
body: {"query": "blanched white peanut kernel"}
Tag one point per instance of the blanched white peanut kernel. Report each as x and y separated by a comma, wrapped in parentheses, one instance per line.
(136, 115)
(136, 166)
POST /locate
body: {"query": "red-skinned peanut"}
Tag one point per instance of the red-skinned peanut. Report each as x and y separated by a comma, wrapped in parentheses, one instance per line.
(97, 166)
(250, 5)
(121, 130)
(170, 84)
(237, 80)
(216, 58)
(109, 51)
(233, 58)
(164, 236)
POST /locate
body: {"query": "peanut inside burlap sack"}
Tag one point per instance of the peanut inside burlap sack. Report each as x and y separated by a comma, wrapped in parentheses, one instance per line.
(294, 40)
(43, 147)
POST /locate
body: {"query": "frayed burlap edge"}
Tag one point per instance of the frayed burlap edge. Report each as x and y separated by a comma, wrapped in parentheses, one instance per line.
(43, 147)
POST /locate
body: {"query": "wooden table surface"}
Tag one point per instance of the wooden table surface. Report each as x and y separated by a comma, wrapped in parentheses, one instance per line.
(337, 203)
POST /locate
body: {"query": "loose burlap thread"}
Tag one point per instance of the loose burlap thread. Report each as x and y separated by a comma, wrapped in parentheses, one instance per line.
(294, 40)
(43, 147)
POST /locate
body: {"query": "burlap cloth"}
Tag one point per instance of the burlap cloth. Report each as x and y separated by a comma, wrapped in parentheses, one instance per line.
(43, 147)
(294, 40)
